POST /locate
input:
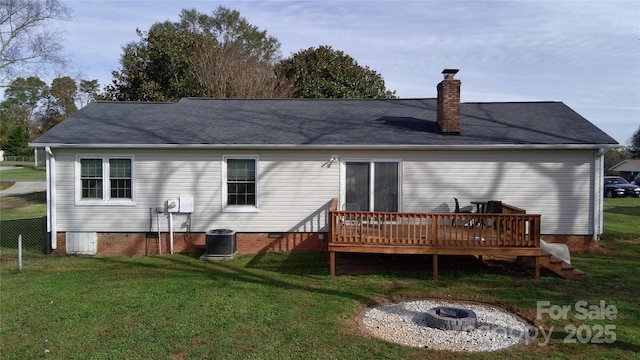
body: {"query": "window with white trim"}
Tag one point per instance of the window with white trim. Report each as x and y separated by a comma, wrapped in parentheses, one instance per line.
(240, 184)
(104, 180)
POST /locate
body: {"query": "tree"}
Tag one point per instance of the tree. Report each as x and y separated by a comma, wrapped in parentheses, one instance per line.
(201, 55)
(26, 91)
(328, 73)
(60, 102)
(157, 67)
(18, 142)
(26, 35)
(230, 30)
(63, 92)
(634, 144)
(6, 122)
(230, 73)
(88, 91)
(23, 98)
(31, 104)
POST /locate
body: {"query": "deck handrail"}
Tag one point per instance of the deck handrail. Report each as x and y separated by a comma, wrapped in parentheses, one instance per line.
(510, 209)
(434, 229)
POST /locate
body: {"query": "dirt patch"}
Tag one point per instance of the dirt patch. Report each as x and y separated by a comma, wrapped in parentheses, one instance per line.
(20, 201)
(595, 248)
(6, 184)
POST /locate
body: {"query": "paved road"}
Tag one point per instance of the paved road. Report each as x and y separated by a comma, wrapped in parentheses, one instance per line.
(20, 186)
(24, 187)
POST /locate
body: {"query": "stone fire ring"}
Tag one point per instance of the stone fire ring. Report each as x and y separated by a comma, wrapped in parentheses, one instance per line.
(405, 323)
(451, 318)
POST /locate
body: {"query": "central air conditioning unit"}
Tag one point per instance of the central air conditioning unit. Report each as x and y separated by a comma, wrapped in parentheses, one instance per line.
(220, 244)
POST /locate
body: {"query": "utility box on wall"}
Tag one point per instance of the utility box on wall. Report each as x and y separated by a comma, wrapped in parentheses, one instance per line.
(182, 204)
(186, 204)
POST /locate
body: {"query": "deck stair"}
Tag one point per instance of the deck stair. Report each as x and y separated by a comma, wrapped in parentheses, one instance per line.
(562, 268)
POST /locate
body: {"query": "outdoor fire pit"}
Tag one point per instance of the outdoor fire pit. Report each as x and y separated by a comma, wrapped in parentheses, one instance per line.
(451, 318)
(468, 326)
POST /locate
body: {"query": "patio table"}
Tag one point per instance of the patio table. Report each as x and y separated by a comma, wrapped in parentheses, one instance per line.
(481, 205)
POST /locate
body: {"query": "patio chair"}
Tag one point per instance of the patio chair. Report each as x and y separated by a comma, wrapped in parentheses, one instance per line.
(458, 210)
(493, 207)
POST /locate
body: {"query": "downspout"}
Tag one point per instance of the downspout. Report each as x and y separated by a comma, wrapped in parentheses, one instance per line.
(51, 197)
(171, 233)
(598, 196)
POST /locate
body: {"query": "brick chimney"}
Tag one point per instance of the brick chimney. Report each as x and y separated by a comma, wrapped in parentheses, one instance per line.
(449, 103)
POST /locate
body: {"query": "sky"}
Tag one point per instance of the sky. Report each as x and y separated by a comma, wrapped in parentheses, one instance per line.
(583, 53)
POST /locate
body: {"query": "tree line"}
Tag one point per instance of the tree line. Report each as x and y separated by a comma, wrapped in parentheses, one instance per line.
(220, 55)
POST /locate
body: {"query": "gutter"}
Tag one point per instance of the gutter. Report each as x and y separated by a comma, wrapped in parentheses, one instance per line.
(335, 146)
(51, 197)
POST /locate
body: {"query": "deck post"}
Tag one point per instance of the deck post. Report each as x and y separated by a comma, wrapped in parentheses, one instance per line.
(332, 265)
(435, 267)
(536, 265)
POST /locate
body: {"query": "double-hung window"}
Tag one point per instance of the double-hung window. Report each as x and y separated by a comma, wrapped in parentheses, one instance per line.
(240, 184)
(104, 180)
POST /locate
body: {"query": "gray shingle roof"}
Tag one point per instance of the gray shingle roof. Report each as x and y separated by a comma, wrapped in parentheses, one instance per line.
(299, 122)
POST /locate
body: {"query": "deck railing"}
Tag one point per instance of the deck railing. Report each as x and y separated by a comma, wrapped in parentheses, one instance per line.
(513, 228)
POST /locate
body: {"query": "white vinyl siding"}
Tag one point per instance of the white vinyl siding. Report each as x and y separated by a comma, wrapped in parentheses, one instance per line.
(296, 187)
(556, 184)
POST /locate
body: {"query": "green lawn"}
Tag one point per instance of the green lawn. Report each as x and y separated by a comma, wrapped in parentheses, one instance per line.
(22, 206)
(284, 306)
(24, 173)
(622, 218)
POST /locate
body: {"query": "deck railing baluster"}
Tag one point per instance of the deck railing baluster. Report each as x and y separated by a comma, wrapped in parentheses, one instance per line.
(510, 229)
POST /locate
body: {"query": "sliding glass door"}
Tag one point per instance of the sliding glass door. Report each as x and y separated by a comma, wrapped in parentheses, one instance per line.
(372, 185)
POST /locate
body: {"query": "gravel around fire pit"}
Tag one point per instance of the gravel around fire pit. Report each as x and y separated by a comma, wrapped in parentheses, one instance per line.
(405, 323)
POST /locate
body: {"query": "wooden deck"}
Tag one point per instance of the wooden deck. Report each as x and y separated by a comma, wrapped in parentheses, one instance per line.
(510, 233)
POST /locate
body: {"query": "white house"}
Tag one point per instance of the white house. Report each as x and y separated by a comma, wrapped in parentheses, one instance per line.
(269, 168)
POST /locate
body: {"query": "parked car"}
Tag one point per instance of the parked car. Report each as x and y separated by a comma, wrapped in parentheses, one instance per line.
(615, 186)
(637, 180)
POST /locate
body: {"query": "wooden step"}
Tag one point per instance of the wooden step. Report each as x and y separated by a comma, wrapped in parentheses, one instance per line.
(579, 275)
(562, 268)
(555, 260)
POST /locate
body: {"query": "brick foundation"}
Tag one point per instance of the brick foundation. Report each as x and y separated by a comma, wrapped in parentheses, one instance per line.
(129, 244)
(576, 243)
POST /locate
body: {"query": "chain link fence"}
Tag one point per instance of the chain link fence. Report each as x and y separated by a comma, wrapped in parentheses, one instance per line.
(34, 237)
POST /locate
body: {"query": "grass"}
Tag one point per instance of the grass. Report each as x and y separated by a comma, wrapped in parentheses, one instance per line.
(278, 306)
(22, 206)
(284, 306)
(621, 218)
(23, 173)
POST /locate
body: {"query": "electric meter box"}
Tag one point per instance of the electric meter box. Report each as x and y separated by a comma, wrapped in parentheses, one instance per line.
(173, 205)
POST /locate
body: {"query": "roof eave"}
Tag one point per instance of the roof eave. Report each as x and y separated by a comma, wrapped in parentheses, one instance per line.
(333, 146)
